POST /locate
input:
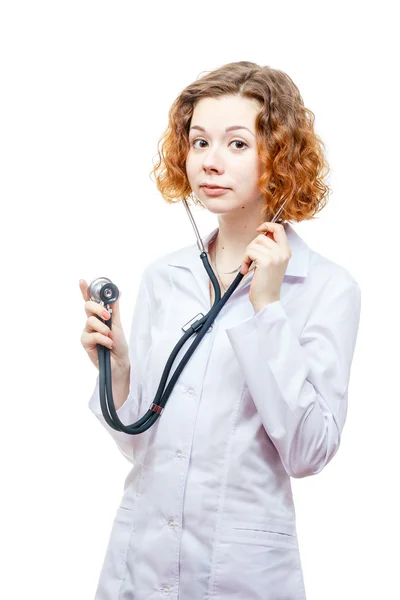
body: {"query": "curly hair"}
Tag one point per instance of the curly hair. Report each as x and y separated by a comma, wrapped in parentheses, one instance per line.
(292, 155)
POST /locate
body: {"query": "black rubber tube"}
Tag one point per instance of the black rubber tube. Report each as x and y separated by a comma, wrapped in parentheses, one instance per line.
(199, 328)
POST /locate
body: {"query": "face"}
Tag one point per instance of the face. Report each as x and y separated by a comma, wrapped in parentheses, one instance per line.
(228, 159)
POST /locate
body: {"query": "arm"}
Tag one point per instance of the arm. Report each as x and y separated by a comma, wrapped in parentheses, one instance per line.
(300, 386)
(128, 383)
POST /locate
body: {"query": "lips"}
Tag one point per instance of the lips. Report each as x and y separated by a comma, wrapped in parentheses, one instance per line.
(214, 187)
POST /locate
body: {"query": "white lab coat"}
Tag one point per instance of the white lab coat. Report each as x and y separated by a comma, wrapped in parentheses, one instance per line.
(207, 510)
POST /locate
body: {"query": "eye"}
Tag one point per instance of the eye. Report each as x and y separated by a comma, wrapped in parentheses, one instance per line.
(233, 141)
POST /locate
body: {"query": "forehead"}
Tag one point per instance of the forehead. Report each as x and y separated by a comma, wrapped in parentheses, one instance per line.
(222, 112)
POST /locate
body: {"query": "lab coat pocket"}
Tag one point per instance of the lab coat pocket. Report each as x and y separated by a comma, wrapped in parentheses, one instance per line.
(113, 568)
(258, 561)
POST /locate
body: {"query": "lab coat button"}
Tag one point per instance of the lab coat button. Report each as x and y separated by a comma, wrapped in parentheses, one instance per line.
(165, 589)
(172, 523)
(178, 454)
(190, 391)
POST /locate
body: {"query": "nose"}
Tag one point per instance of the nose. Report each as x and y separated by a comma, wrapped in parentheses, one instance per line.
(211, 162)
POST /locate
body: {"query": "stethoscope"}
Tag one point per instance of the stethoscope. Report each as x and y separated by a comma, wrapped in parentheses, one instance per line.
(103, 291)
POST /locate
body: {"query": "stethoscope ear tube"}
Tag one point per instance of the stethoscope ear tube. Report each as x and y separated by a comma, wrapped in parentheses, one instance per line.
(104, 291)
(199, 328)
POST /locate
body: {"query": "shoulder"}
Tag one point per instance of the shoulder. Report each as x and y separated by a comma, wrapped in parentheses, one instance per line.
(312, 270)
(324, 271)
(331, 288)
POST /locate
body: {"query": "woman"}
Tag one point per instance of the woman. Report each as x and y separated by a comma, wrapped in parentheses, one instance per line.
(207, 510)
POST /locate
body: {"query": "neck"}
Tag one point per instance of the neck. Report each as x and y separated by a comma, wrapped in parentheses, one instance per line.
(232, 239)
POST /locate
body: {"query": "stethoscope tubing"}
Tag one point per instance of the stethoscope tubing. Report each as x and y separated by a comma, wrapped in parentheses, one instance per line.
(199, 329)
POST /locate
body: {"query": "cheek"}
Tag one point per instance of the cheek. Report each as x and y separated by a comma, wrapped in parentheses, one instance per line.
(247, 173)
(251, 164)
(190, 165)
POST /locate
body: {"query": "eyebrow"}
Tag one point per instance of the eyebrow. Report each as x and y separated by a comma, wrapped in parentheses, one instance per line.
(231, 128)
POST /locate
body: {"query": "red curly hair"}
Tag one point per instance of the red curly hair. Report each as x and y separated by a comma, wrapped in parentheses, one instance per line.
(291, 153)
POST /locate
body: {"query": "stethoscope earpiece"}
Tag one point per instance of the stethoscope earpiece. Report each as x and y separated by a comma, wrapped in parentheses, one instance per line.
(102, 290)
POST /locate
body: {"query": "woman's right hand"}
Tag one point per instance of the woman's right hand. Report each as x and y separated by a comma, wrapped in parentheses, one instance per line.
(98, 332)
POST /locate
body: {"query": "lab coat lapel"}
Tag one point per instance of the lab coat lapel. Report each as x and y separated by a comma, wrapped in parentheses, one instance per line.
(189, 258)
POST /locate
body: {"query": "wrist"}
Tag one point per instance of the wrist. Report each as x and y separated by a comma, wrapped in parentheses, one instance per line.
(120, 381)
(123, 367)
(260, 305)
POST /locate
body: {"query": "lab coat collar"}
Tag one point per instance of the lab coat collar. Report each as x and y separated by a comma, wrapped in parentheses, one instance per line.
(297, 266)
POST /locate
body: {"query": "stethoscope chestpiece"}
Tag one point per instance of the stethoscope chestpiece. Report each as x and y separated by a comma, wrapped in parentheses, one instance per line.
(103, 291)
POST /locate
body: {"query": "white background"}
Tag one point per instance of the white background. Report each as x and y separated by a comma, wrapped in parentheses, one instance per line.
(85, 92)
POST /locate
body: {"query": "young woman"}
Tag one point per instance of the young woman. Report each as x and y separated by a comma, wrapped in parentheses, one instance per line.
(207, 509)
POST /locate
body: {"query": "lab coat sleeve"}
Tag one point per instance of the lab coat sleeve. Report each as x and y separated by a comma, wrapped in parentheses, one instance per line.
(300, 384)
(139, 346)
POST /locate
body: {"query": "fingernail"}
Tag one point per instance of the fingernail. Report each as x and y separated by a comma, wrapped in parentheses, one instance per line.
(106, 315)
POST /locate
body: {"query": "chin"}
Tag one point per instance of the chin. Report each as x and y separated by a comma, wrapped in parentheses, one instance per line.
(219, 208)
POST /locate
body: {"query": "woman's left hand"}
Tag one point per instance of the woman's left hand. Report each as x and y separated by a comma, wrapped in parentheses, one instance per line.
(270, 253)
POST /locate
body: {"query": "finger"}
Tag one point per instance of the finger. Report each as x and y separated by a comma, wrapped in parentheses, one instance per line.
(268, 234)
(84, 287)
(94, 308)
(276, 249)
(95, 324)
(93, 338)
(251, 255)
(277, 230)
(267, 241)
